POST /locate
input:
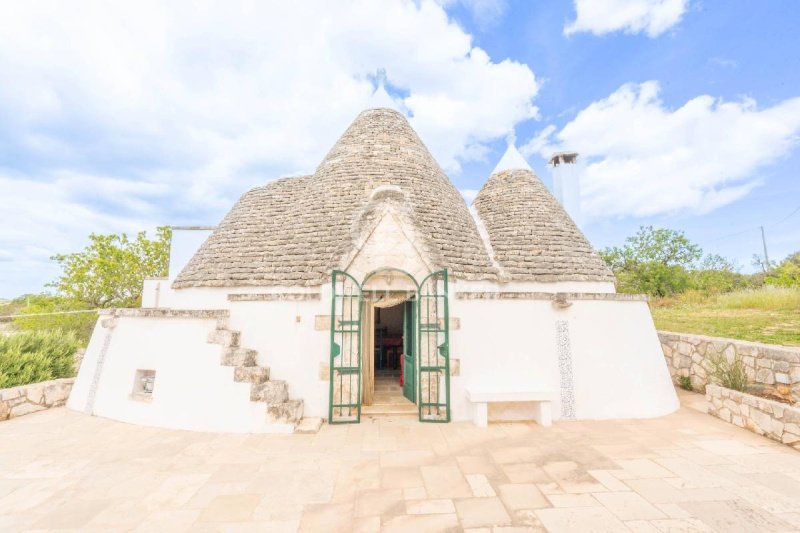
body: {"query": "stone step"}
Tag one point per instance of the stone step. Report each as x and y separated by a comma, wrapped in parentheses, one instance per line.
(251, 374)
(394, 409)
(377, 400)
(225, 337)
(289, 412)
(239, 357)
(273, 391)
(308, 425)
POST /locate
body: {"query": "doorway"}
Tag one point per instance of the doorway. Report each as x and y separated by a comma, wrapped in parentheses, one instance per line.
(393, 360)
(420, 372)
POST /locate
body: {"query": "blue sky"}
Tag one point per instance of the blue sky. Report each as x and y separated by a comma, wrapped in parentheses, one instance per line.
(125, 116)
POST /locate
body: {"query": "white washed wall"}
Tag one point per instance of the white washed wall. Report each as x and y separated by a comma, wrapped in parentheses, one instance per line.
(192, 389)
(618, 367)
(292, 349)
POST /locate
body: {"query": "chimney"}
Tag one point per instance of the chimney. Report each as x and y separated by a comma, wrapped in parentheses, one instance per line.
(566, 183)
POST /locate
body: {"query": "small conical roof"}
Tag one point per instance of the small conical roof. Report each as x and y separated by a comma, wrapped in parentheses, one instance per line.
(531, 236)
(295, 231)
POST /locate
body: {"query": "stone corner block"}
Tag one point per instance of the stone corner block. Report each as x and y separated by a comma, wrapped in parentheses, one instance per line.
(322, 322)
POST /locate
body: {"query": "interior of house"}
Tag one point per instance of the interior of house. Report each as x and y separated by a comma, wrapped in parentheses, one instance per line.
(392, 329)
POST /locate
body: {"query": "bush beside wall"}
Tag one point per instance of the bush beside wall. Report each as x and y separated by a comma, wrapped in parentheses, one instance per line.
(36, 356)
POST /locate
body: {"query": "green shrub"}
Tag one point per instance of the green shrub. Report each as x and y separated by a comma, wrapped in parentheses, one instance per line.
(685, 382)
(34, 356)
(730, 375)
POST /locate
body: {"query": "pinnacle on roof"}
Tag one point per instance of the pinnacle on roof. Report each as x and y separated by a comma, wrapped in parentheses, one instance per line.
(512, 159)
(380, 97)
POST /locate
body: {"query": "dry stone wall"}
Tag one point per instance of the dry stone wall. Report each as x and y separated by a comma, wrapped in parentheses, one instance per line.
(775, 420)
(26, 399)
(766, 365)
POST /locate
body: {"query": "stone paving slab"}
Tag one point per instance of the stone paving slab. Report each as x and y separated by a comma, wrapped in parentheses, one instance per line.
(61, 471)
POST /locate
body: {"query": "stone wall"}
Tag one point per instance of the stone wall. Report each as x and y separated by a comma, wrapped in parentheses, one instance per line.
(25, 399)
(775, 420)
(767, 366)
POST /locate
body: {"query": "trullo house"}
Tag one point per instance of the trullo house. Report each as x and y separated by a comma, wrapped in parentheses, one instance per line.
(371, 288)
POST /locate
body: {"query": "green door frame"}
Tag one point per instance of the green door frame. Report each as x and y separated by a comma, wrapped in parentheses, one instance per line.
(433, 348)
(345, 360)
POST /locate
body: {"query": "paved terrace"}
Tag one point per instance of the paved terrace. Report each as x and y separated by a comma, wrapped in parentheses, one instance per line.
(684, 472)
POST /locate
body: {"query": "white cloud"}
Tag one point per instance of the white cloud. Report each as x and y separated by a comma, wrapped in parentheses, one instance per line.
(193, 103)
(600, 17)
(643, 158)
(469, 195)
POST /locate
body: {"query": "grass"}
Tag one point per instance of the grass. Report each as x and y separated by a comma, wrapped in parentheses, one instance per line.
(768, 315)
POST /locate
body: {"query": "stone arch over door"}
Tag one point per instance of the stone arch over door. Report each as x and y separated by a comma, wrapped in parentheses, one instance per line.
(385, 238)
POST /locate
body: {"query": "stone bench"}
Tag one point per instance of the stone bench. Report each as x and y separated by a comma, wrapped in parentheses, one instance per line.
(481, 399)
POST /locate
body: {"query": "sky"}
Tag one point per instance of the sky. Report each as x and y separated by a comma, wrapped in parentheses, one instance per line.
(123, 116)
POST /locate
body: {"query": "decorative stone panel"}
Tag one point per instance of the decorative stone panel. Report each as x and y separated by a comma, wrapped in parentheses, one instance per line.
(775, 420)
(567, 387)
(765, 364)
(25, 399)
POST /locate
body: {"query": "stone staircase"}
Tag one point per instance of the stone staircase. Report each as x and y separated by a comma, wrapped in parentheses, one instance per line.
(274, 393)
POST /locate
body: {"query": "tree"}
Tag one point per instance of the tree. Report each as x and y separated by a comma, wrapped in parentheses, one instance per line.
(654, 260)
(656, 245)
(716, 274)
(110, 271)
(786, 274)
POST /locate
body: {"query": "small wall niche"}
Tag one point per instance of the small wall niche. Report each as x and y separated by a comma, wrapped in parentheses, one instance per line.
(143, 383)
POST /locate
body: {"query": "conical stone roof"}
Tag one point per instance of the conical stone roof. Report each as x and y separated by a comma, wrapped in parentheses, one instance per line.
(531, 236)
(294, 231)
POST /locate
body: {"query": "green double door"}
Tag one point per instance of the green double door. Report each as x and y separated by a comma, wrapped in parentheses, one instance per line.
(426, 352)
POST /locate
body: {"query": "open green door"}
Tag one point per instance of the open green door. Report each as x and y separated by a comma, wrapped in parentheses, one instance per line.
(433, 349)
(409, 367)
(345, 365)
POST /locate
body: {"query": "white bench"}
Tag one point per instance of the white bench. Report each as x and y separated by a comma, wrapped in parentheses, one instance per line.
(481, 399)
